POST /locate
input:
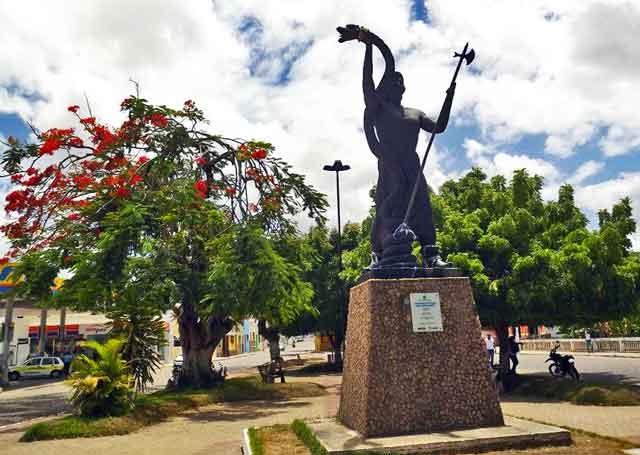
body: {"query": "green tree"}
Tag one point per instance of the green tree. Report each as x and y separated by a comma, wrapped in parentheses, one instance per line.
(143, 333)
(251, 277)
(535, 262)
(147, 203)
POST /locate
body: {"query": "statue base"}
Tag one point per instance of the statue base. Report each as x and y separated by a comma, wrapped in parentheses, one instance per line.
(397, 381)
(398, 272)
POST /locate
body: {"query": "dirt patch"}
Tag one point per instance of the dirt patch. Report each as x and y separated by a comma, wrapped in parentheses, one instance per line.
(281, 440)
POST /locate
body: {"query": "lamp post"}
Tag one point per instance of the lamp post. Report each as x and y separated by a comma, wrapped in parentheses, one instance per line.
(338, 167)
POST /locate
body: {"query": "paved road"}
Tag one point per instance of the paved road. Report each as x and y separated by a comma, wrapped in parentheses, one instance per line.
(32, 398)
(591, 367)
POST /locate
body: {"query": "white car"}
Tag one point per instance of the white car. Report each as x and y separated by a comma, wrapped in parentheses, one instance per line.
(52, 367)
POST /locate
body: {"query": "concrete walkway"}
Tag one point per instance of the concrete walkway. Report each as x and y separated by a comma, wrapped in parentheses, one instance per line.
(621, 422)
(217, 429)
(210, 430)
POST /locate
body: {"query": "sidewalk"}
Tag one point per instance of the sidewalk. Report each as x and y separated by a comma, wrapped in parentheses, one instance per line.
(214, 429)
(621, 422)
(217, 428)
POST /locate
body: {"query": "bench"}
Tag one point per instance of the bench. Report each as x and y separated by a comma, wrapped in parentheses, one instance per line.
(271, 370)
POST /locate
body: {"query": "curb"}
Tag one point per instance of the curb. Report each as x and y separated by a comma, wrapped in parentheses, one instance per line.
(246, 443)
(25, 423)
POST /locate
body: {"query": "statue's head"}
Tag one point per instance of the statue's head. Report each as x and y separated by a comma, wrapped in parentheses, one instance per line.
(391, 88)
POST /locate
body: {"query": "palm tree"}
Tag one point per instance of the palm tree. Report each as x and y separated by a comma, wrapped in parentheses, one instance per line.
(102, 386)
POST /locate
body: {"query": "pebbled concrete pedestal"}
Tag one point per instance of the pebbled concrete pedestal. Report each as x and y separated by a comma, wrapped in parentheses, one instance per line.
(399, 382)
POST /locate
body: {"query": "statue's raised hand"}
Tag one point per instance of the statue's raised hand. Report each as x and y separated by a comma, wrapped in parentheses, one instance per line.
(351, 32)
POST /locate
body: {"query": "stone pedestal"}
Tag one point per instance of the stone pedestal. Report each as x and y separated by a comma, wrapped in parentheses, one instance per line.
(399, 382)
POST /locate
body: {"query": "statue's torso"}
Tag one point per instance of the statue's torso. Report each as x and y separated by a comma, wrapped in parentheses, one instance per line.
(398, 129)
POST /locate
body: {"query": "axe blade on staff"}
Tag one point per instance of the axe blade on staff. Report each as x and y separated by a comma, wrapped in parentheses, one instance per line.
(404, 228)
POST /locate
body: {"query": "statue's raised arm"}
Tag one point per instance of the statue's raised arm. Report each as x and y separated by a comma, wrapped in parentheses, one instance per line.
(352, 32)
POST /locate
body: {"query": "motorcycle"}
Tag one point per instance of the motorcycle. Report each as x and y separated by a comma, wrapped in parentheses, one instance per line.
(562, 364)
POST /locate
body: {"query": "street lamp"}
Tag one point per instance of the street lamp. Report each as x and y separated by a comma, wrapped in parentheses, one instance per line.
(338, 167)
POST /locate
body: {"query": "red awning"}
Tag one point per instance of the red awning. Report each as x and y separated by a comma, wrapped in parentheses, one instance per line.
(52, 330)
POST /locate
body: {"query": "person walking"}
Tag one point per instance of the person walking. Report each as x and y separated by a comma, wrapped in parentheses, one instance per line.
(490, 349)
(587, 341)
(67, 358)
(513, 353)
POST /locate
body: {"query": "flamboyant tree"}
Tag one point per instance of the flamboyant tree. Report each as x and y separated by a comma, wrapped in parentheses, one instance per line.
(145, 205)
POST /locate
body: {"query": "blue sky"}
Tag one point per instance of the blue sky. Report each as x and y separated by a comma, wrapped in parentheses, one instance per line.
(552, 88)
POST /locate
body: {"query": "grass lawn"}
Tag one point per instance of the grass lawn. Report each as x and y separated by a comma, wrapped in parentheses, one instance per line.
(298, 439)
(583, 393)
(158, 406)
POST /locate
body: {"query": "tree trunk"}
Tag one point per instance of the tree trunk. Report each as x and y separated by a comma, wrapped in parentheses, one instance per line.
(502, 333)
(42, 342)
(61, 329)
(4, 359)
(272, 336)
(199, 338)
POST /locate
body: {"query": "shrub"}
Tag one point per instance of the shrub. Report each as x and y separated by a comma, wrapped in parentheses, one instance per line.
(101, 387)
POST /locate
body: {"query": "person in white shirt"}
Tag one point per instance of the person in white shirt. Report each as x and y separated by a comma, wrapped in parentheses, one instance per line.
(490, 349)
(587, 340)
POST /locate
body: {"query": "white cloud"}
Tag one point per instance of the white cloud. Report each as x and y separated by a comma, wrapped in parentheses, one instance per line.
(586, 170)
(541, 68)
(607, 193)
(620, 141)
(564, 77)
(494, 161)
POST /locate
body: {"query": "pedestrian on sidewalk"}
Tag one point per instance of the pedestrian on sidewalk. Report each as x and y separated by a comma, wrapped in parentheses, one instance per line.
(513, 353)
(490, 349)
(67, 358)
(587, 341)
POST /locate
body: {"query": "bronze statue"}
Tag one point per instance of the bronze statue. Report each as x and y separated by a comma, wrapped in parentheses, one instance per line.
(392, 132)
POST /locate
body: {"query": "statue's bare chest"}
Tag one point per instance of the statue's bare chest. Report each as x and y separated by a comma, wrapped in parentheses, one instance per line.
(396, 123)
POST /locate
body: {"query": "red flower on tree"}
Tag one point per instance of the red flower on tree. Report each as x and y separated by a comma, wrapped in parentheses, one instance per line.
(135, 179)
(50, 146)
(122, 192)
(15, 178)
(142, 160)
(88, 121)
(74, 217)
(259, 154)
(230, 191)
(159, 120)
(91, 165)
(33, 180)
(112, 180)
(76, 142)
(83, 181)
(73, 108)
(201, 161)
(127, 102)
